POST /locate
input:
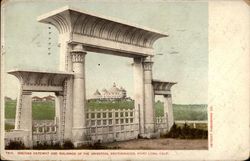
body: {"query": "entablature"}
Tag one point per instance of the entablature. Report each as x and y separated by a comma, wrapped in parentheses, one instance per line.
(41, 81)
(162, 87)
(103, 32)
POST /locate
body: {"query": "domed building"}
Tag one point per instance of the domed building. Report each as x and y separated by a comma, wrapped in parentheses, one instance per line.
(113, 93)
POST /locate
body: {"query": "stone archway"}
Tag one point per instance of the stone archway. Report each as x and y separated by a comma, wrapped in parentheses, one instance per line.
(164, 88)
(81, 32)
(38, 81)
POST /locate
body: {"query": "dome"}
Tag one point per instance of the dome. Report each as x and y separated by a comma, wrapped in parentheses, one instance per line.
(104, 91)
(114, 89)
(122, 89)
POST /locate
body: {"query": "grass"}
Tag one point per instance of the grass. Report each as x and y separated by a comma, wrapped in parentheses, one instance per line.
(40, 110)
(8, 127)
(184, 112)
(46, 110)
(108, 105)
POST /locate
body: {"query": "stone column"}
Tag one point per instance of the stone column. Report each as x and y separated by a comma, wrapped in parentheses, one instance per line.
(139, 93)
(59, 113)
(66, 65)
(168, 110)
(23, 120)
(149, 97)
(79, 97)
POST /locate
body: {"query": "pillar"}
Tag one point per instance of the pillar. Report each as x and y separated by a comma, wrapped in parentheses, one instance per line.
(23, 122)
(79, 97)
(148, 97)
(168, 110)
(139, 93)
(58, 115)
(66, 65)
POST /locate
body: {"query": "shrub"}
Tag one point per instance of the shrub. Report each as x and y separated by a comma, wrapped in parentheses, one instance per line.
(186, 133)
(45, 145)
(68, 145)
(15, 145)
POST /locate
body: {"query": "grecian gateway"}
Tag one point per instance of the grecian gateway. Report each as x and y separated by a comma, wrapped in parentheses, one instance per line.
(81, 32)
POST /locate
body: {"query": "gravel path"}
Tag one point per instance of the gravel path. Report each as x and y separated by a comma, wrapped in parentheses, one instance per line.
(163, 143)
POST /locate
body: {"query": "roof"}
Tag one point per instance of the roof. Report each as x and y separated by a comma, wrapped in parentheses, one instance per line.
(97, 92)
(114, 89)
(49, 97)
(36, 97)
(41, 81)
(103, 34)
(45, 17)
(104, 90)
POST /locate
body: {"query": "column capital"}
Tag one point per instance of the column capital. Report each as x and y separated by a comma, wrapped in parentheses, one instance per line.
(138, 59)
(148, 64)
(78, 53)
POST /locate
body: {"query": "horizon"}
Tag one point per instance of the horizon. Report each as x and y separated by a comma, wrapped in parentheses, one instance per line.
(14, 99)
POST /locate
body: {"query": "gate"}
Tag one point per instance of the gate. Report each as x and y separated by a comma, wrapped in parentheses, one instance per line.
(111, 125)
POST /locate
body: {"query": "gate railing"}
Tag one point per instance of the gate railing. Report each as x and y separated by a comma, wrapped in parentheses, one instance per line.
(161, 124)
(44, 131)
(111, 125)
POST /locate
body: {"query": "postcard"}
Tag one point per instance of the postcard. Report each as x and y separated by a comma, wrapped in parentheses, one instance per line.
(125, 80)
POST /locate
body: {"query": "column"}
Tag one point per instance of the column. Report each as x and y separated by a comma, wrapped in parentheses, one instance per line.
(139, 93)
(23, 120)
(168, 110)
(66, 65)
(58, 114)
(79, 97)
(149, 97)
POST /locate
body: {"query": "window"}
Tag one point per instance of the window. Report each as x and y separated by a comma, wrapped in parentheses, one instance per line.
(131, 120)
(92, 122)
(126, 120)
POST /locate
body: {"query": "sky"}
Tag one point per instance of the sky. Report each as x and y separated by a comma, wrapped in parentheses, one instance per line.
(182, 57)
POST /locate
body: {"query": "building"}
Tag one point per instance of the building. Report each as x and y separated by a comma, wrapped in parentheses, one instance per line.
(111, 94)
(36, 99)
(43, 99)
(48, 98)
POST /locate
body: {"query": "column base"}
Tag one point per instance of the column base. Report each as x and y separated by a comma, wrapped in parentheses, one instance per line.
(80, 143)
(155, 135)
(26, 137)
(78, 134)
